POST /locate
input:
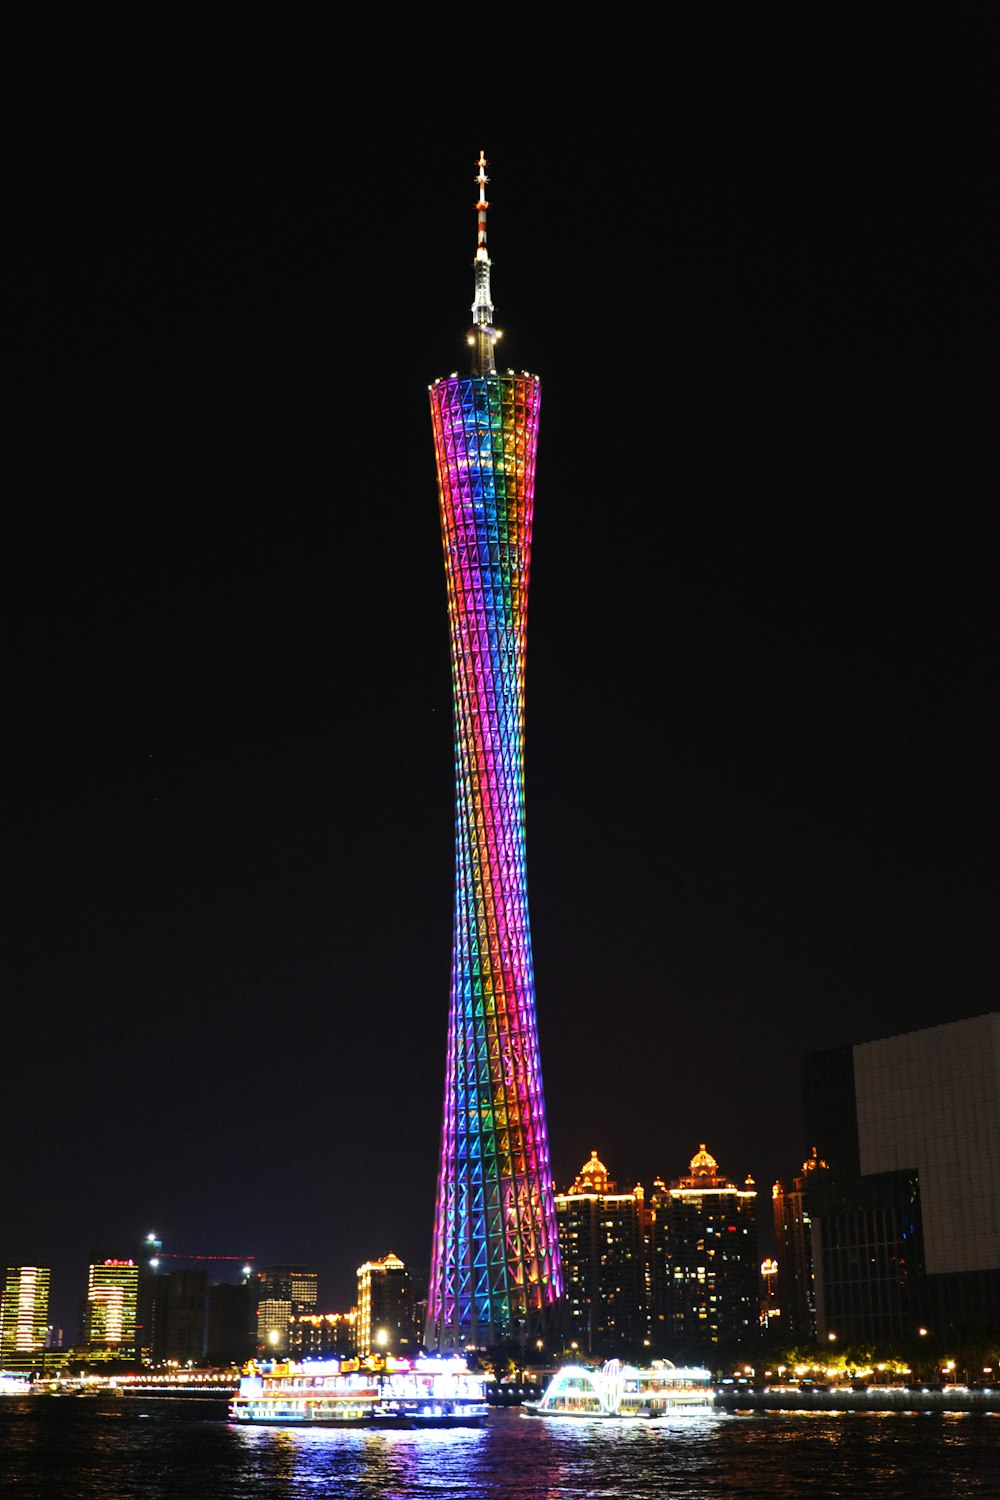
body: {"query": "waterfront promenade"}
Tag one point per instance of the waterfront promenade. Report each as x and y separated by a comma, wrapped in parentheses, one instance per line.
(959, 1398)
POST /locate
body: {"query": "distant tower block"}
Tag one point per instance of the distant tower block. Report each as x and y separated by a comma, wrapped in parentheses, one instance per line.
(495, 1269)
(24, 1312)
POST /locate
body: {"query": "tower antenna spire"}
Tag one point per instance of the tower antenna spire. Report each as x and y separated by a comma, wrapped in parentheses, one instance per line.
(495, 1265)
(483, 335)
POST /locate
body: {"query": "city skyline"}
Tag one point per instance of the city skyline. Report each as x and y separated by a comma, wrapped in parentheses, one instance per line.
(756, 280)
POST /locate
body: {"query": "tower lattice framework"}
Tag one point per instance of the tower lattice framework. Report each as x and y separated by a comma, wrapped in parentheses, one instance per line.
(495, 1266)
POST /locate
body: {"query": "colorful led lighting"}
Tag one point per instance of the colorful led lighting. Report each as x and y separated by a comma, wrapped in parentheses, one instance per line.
(495, 1264)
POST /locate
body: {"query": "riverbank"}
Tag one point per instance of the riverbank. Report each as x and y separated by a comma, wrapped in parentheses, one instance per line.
(872, 1398)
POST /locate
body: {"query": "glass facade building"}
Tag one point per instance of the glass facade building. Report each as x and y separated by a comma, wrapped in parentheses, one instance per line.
(906, 1221)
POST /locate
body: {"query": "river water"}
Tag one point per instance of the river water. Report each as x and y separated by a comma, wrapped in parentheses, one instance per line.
(96, 1449)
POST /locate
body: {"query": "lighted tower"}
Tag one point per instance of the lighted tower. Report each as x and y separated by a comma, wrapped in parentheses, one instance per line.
(495, 1267)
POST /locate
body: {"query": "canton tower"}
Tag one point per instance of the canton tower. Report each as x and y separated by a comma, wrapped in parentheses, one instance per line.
(495, 1268)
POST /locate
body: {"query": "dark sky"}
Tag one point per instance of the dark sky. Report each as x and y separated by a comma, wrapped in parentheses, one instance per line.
(752, 256)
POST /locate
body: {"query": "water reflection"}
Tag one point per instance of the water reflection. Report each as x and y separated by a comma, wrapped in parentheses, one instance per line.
(374, 1462)
(164, 1451)
(511, 1458)
(838, 1456)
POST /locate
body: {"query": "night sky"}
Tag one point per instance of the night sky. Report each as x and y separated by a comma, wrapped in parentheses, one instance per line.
(752, 256)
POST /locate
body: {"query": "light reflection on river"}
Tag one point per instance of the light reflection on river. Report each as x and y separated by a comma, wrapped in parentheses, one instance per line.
(163, 1450)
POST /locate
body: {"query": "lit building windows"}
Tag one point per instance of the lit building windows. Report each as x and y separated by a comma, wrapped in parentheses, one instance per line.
(24, 1315)
(112, 1303)
(704, 1286)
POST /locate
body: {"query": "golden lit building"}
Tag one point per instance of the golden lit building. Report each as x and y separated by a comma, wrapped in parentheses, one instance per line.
(24, 1316)
(274, 1322)
(602, 1246)
(112, 1304)
(385, 1322)
(704, 1259)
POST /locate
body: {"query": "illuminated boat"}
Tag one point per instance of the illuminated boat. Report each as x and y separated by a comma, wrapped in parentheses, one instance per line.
(623, 1391)
(353, 1393)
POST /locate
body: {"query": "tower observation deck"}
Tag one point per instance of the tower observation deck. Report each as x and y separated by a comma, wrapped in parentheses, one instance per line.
(495, 1269)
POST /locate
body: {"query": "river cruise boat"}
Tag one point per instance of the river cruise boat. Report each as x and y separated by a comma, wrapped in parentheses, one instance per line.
(353, 1393)
(623, 1391)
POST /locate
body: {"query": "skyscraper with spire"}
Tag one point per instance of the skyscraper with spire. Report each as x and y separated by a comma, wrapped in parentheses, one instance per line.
(495, 1269)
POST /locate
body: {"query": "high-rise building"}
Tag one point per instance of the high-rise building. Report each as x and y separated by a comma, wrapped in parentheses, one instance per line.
(602, 1247)
(705, 1263)
(232, 1322)
(796, 1290)
(190, 1307)
(495, 1262)
(385, 1308)
(284, 1293)
(180, 1329)
(313, 1335)
(146, 1254)
(905, 1223)
(295, 1284)
(24, 1316)
(112, 1303)
(274, 1322)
